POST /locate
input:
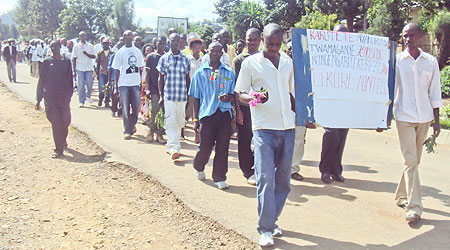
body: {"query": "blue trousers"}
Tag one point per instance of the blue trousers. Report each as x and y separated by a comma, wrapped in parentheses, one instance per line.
(130, 101)
(85, 82)
(273, 160)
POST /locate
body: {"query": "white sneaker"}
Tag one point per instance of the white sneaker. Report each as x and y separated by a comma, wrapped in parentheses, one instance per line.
(221, 185)
(266, 239)
(81, 105)
(89, 100)
(251, 180)
(277, 232)
(200, 175)
(127, 136)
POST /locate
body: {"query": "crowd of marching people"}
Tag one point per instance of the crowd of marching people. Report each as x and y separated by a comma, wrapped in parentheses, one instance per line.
(221, 89)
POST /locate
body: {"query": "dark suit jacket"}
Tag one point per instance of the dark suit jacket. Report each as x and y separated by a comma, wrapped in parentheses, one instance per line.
(7, 55)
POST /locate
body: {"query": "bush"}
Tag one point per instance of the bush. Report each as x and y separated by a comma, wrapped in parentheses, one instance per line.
(445, 81)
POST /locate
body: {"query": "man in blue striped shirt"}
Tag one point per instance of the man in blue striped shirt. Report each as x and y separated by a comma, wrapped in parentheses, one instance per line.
(213, 89)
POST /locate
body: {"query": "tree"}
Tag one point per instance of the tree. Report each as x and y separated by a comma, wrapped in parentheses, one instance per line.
(286, 13)
(440, 30)
(247, 15)
(388, 18)
(225, 7)
(38, 18)
(90, 16)
(347, 9)
(205, 31)
(317, 20)
(121, 18)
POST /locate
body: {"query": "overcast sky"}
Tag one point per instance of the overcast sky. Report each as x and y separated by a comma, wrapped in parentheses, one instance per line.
(147, 11)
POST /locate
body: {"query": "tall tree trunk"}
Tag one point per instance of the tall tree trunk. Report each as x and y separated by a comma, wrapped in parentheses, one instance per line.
(444, 50)
(349, 18)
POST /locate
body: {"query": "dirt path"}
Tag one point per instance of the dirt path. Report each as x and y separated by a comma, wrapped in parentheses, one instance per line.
(83, 201)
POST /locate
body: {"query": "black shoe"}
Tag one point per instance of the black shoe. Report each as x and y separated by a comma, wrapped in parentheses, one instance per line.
(296, 176)
(57, 154)
(100, 102)
(403, 206)
(326, 178)
(338, 178)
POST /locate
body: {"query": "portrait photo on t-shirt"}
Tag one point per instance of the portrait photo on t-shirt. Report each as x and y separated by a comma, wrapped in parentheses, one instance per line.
(132, 62)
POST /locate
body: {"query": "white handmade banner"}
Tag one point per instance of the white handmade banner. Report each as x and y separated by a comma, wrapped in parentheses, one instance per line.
(349, 78)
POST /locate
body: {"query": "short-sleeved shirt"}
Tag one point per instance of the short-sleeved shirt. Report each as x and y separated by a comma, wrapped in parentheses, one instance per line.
(259, 72)
(195, 64)
(174, 68)
(417, 87)
(128, 60)
(152, 73)
(208, 91)
(84, 63)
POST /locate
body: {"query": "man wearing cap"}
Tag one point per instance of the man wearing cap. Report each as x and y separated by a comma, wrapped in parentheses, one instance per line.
(10, 53)
(102, 64)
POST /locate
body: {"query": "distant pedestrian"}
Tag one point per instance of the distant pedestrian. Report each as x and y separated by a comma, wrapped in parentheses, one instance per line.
(115, 105)
(243, 116)
(152, 91)
(174, 82)
(9, 54)
(83, 56)
(128, 64)
(34, 59)
(416, 104)
(56, 87)
(212, 88)
(102, 62)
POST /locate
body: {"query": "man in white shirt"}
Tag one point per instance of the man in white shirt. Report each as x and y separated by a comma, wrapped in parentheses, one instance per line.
(225, 59)
(416, 104)
(128, 64)
(273, 124)
(83, 64)
(34, 59)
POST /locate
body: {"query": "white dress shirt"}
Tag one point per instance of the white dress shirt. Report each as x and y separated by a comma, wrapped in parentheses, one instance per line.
(258, 71)
(225, 59)
(84, 63)
(417, 88)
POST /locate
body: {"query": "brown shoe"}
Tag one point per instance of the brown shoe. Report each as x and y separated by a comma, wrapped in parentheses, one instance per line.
(175, 155)
(412, 217)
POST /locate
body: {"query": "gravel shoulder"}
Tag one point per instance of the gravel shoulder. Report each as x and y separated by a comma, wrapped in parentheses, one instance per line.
(85, 202)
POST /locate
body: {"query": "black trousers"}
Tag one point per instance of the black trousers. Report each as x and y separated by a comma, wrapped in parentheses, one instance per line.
(333, 143)
(214, 130)
(60, 118)
(245, 135)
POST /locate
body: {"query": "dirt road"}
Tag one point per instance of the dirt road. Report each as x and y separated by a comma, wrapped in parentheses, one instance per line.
(84, 201)
(357, 214)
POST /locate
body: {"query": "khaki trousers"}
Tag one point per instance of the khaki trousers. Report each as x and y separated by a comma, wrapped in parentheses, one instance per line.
(411, 136)
(299, 148)
(35, 68)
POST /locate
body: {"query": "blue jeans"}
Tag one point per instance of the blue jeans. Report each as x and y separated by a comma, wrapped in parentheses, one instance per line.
(85, 82)
(102, 81)
(129, 96)
(273, 160)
